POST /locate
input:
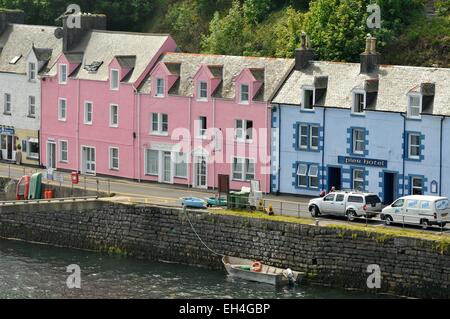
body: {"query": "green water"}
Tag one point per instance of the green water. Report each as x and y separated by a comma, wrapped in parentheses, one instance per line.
(36, 271)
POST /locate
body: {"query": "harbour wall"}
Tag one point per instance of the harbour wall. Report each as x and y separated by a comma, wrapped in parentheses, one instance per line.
(329, 256)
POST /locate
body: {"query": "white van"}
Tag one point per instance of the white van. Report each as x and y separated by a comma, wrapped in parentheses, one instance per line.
(418, 209)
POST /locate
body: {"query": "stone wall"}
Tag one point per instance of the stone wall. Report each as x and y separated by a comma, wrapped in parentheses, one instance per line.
(329, 256)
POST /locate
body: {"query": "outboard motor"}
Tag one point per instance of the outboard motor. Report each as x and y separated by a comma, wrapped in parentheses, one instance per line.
(290, 276)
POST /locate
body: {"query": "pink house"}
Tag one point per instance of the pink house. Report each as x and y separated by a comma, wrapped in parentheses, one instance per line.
(89, 101)
(205, 115)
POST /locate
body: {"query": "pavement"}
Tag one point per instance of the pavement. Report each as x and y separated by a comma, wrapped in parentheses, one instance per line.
(170, 195)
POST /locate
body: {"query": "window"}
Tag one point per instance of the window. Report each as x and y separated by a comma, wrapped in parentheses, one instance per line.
(359, 102)
(203, 126)
(414, 106)
(159, 124)
(62, 109)
(302, 173)
(303, 141)
(416, 186)
(203, 91)
(181, 165)
(7, 106)
(425, 205)
(62, 74)
(33, 148)
(160, 87)
(114, 158)
(88, 109)
(113, 115)
(340, 198)
(63, 152)
(31, 71)
(244, 130)
(356, 199)
(244, 93)
(358, 179)
(414, 146)
(313, 176)
(329, 198)
(243, 169)
(31, 106)
(398, 203)
(114, 80)
(314, 137)
(151, 163)
(308, 99)
(359, 142)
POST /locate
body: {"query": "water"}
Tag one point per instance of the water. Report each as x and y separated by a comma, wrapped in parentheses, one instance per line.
(37, 271)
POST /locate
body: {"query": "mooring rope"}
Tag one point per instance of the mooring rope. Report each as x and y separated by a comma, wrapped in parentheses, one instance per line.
(198, 236)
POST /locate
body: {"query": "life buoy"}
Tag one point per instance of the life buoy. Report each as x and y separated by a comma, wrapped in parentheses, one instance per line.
(257, 266)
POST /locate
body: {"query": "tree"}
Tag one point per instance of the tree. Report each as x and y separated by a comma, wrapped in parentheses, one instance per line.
(256, 10)
(288, 32)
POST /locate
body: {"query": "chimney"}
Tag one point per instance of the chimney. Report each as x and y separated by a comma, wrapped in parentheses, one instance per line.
(303, 55)
(72, 35)
(10, 16)
(370, 58)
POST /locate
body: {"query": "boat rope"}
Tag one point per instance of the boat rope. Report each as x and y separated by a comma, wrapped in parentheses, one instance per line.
(198, 236)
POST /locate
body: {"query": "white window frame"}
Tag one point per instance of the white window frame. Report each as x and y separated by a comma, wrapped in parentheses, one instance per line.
(31, 105)
(242, 133)
(302, 172)
(311, 137)
(160, 124)
(111, 158)
(301, 135)
(364, 94)
(200, 90)
(244, 172)
(147, 168)
(241, 100)
(410, 145)
(304, 89)
(61, 118)
(202, 131)
(61, 160)
(32, 71)
(30, 154)
(409, 113)
(181, 158)
(158, 86)
(86, 122)
(355, 141)
(111, 118)
(114, 86)
(62, 79)
(311, 176)
(413, 178)
(359, 180)
(7, 106)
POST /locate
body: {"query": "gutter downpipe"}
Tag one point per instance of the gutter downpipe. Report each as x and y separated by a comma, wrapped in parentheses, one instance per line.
(323, 148)
(191, 167)
(78, 165)
(440, 156)
(279, 150)
(215, 141)
(138, 121)
(404, 150)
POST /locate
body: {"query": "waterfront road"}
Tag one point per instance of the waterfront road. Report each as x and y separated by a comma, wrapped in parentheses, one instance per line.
(170, 195)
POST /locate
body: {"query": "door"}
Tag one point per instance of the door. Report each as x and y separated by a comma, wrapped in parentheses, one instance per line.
(339, 205)
(328, 204)
(412, 211)
(88, 158)
(334, 178)
(51, 155)
(389, 188)
(167, 167)
(201, 171)
(10, 144)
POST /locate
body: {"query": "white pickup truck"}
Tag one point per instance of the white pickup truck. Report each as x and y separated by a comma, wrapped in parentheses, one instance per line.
(350, 204)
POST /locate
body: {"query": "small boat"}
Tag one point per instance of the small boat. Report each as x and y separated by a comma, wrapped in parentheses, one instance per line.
(216, 202)
(192, 202)
(255, 271)
(23, 188)
(35, 186)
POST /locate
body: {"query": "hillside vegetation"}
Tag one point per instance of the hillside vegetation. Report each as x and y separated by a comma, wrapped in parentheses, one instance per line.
(273, 27)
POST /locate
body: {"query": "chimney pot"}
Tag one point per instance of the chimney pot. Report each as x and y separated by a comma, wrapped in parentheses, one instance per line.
(303, 55)
(373, 45)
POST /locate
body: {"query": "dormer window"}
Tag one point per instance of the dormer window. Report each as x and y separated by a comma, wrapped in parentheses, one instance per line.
(160, 87)
(359, 102)
(308, 98)
(203, 91)
(414, 106)
(244, 98)
(62, 74)
(114, 80)
(31, 71)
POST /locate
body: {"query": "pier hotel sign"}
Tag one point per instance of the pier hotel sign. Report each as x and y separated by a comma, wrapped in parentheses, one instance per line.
(362, 161)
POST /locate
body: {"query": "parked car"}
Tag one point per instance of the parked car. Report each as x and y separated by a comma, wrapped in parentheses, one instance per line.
(350, 204)
(418, 209)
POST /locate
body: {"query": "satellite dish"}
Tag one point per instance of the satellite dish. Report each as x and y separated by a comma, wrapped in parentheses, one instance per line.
(59, 33)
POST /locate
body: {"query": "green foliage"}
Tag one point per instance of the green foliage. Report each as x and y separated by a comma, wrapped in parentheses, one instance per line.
(256, 10)
(442, 7)
(288, 32)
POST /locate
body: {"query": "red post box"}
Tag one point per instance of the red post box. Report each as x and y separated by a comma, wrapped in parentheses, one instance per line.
(75, 178)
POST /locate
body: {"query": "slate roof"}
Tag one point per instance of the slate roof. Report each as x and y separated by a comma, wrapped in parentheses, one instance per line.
(394, 83)
(272, 71)
(18, 39)
(136, 49)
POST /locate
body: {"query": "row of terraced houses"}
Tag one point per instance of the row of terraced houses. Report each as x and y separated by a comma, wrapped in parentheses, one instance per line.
(132, 105)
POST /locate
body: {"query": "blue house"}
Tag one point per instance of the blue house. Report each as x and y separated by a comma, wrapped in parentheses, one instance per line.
(361, 126)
